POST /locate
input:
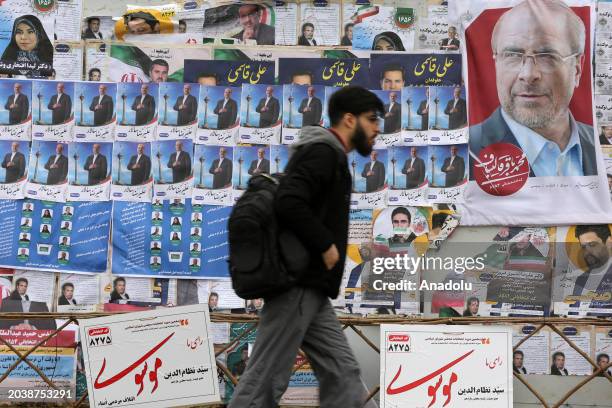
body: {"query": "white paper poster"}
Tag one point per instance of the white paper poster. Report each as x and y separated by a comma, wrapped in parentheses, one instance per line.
(162, 358)
(442, 365)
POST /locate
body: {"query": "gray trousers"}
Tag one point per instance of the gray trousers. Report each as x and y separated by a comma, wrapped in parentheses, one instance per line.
(301, 317)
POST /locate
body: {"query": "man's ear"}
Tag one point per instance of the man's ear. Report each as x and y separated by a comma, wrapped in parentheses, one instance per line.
(578, 70)
(350, 120)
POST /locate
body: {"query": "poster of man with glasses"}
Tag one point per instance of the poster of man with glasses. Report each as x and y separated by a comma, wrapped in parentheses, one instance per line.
(531, 137)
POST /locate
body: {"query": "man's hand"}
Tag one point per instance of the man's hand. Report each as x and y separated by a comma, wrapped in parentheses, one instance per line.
(331, 257)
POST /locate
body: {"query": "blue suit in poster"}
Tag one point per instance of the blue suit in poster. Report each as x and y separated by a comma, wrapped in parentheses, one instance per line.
(44, 235)
(170, 239)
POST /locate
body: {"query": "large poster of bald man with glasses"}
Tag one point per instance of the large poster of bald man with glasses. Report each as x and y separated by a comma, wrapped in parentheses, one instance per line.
(529, 85)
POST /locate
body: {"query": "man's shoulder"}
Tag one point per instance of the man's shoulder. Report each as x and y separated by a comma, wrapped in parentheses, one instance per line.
(492, 130)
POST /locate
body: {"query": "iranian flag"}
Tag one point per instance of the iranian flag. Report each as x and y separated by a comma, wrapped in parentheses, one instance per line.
(128, 64)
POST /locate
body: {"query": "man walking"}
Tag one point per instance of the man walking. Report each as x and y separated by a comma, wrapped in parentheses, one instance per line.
(313, 202)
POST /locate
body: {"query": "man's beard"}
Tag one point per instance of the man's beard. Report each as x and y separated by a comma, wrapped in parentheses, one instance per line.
(360, 141)
(532, 115)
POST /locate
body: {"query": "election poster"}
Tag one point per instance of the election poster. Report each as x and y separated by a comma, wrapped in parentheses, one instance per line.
(51, 236)
(214, 166)
(324, 71)
(302, 106)
(415, 115)
(68, 61)
(94, 112)
(393, 71)
(178, 109)
(172, 364)
(140, 62)
(137, 106)
(532, 356)
(270, 54)
(511, 275)
(261, 113)
(171, 238)
(531, 142)
(52, 110)
(48, 171)
(391, 121)
(131, 172)
(26, 38)
(369, 188)
(56, 358)
(78, 293)
(318, 23)
(13, 171)
(582, 281)
(16, 109)
(218, 115)
(603, 349)
(462, 366)
(407, 178)
(229, 73)
(564, 359)
(384, 28)
(172, 168)
(250, 24)
(89, 171)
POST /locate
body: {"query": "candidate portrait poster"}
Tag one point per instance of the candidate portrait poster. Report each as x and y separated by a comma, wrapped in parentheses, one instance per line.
(324, 71)
(27, 31)
(460, 366)
(13, 170)
(531, 125)
(15, 109)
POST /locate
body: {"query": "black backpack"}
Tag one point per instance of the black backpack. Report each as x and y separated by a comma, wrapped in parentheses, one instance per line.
(264, 260)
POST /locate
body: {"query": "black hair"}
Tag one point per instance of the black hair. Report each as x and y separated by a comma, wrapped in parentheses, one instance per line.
(307, 25)
(437, 220)
(18, 281)
(159, 61)
(401, 210)
(117, 280)
(601, 230)
(557, 354)
(147, 17)
(94, 70)
(302, 72)
(354, 100)
(393, 67)
(518, 352)
(207, 75)
(347, 26)
(67, 284)
(472, 299)
(90, 19)
(602, 355)
(213, 294)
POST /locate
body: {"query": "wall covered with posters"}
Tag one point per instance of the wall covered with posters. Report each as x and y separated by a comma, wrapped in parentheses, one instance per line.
(127, 134)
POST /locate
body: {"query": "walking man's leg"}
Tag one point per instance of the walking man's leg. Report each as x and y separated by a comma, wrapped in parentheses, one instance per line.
(331, 357)
(284, 321)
